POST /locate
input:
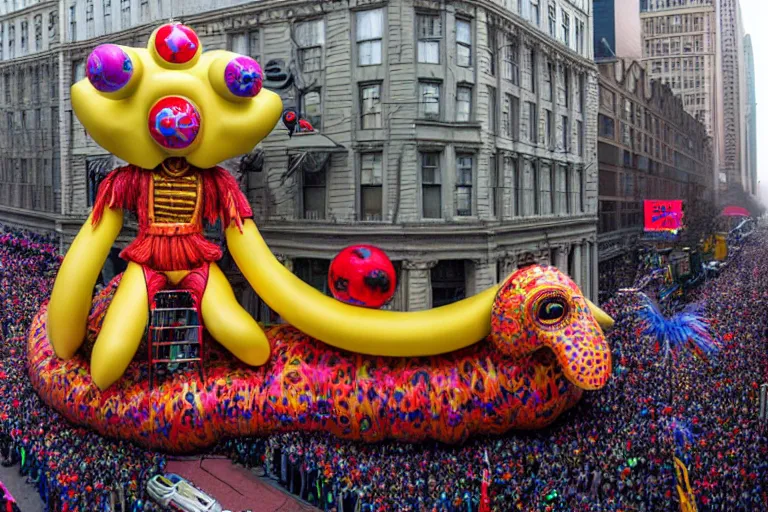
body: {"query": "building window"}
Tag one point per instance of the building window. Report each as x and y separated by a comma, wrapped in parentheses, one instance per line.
(549, 83)
(492, 109)
(533, 69)
(144, 10)
(606, 127)
(78, 70)
(125, 13)
(24, 36)
(53, 22)
(535, 12)
(580, 37)
(430, 33)
(429, 105)
(564, 135)
(312, 108)
(493, 41)
(515, 183)
(514, 117)
(463, 104)
(371, 203)
(566, 29)
(431, 189)
(370, 106)
(310, 37)
(106, 6)
(544, 173)
(495, 182)
(449, 282)
(72, 22)
(463, 43)
(533, 122)
(579, 190)
(506, 118)
(567, 87)
(314, 186)
(579, 138)
(464, 164)
(245, 43)
(11, 41)
(370, 32)
(512, 61)
(314, 272)
(38, 33)
(561, 189)
(548, 128)
(552, 20)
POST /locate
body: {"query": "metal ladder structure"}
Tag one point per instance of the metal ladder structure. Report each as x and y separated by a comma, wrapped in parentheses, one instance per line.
(175, 335)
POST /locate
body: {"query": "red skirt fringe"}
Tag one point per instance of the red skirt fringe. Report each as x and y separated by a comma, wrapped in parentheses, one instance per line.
(167, 253)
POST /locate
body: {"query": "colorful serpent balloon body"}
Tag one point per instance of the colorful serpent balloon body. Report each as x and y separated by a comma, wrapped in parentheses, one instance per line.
(514, 356)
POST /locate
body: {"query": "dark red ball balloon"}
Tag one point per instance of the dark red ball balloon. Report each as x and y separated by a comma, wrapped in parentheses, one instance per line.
(362, 275)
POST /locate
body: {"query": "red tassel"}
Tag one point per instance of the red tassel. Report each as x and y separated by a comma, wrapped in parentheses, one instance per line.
(120, 189)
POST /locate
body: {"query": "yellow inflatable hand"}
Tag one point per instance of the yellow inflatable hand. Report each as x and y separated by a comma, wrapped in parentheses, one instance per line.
(73, 290)
(365, 331)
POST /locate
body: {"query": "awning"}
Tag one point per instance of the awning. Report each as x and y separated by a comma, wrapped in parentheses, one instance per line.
(735, 211)
(312, 142)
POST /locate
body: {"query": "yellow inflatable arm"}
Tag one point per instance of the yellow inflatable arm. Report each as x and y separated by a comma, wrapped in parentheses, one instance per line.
(365, 331)
(73, 290)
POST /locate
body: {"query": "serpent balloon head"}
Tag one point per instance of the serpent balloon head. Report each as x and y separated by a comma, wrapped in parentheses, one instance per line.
(542, 308)
(170, 99)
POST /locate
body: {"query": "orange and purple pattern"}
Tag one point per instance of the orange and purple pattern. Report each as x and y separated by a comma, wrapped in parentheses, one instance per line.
(307, 385)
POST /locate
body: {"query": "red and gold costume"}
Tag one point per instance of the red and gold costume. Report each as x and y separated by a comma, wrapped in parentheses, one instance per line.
(171, 207)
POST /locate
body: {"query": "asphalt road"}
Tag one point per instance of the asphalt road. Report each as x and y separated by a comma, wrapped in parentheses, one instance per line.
(26, 496)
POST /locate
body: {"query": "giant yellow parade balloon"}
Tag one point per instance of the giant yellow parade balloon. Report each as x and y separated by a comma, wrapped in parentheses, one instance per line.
(174, 112)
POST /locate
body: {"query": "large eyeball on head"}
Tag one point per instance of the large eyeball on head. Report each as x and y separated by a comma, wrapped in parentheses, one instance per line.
(174, 123)
(236, 77)
(111, 70)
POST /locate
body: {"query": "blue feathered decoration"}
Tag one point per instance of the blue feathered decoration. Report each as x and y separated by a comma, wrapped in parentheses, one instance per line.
(687, 329)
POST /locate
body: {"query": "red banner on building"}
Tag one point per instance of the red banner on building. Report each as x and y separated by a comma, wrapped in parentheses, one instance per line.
(663, 215)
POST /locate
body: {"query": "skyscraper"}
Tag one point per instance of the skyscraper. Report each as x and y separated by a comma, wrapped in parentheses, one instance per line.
(751, 117)
(697, 47)
(732, 72)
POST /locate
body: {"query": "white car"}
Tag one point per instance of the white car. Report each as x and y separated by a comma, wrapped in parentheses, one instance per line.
(176, 493)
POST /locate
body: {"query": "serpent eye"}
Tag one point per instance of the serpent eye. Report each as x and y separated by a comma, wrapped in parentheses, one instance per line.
(110, 69)
(551, 309)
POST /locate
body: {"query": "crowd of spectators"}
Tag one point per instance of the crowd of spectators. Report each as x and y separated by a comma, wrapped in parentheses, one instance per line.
(612, 452)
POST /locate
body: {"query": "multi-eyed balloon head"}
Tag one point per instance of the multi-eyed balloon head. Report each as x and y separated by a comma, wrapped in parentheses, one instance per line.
(171, 99)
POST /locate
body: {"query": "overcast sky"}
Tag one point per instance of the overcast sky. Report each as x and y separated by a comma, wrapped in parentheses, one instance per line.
(755, 13)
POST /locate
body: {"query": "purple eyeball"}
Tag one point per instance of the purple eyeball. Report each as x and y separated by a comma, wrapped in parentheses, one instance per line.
(109, 68)
(243, 77)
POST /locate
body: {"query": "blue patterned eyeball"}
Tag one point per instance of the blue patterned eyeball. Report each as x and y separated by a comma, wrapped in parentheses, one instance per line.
(109, 68)
(243, 77)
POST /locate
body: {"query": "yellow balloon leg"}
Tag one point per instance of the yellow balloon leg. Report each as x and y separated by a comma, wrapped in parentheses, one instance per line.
(122, 330)
(229, 323)
(73, 290)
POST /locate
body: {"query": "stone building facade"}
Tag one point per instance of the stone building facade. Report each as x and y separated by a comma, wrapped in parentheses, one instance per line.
(681, 48)
(649, 147)
(458, 136)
